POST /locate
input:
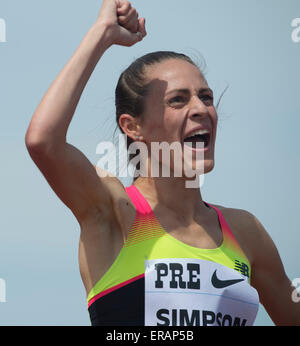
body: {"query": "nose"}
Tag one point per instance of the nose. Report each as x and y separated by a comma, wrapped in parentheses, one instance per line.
(197, 107)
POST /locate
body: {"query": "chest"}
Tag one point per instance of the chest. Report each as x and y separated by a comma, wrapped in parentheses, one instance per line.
(206, 233)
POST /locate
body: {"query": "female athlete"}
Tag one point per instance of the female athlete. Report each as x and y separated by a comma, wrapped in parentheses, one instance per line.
(155, 253)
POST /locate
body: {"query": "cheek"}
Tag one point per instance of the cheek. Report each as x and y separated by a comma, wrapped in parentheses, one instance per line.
(214, 119)
(161, 126)
(213, 116)
(153, 120)
(172, 126)
(154, 130)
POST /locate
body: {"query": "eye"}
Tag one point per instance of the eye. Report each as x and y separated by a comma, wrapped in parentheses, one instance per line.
(207, 99)
(177, 99)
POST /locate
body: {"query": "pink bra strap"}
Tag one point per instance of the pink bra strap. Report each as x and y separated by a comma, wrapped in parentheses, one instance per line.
(140, 203)
(224, 225)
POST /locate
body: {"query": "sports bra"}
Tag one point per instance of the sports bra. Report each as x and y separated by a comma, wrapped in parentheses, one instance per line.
(158, 280)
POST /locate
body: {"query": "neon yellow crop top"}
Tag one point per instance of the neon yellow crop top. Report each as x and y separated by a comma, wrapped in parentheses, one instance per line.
(158, 280)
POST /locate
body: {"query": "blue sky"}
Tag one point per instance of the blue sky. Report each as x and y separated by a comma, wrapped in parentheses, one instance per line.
(246, 45)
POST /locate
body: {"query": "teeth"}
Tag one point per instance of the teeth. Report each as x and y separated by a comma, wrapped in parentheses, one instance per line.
(198, 132)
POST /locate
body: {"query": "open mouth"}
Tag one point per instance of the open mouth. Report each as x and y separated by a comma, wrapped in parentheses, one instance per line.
(203, 137)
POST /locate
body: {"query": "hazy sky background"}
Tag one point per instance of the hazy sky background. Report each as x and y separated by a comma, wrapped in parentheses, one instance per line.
(246, 44)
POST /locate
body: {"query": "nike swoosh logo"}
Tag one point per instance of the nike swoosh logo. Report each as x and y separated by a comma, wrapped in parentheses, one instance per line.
(217, 283)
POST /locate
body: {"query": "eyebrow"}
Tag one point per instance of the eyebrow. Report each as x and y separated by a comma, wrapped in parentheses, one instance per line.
(186, 91)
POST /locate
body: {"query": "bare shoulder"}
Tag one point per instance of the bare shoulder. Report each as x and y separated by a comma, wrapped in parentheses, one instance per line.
(245, 226)
(268, 275)
(240, 218)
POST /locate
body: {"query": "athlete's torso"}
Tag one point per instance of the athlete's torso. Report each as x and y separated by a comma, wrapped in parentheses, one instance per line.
(158, 280)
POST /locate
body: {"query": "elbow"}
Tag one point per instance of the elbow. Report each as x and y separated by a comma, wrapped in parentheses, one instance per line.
(42, 138)
(38, 145)
(33, 142)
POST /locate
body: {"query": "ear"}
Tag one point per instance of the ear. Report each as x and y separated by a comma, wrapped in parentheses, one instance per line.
(129, 125)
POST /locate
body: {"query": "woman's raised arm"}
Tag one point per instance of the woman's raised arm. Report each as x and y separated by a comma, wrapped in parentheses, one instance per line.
(67, 170)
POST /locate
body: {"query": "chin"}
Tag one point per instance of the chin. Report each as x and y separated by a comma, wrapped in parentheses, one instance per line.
(209, 166)
(205, 167)
(191, 171)
(195, 167)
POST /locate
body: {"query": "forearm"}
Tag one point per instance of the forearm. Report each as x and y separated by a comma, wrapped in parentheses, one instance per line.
(52, 118)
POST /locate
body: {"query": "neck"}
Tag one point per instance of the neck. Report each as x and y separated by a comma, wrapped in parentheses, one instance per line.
(173, 194)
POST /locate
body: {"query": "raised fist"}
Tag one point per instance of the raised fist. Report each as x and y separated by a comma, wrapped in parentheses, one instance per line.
(122, 22)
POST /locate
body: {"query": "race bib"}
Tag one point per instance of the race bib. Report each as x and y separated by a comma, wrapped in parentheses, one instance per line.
(194, 292)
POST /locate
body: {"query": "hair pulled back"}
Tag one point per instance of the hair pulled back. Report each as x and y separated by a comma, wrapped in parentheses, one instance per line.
(132, 86)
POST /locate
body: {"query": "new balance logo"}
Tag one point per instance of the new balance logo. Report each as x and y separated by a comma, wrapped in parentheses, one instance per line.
(242, 268)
